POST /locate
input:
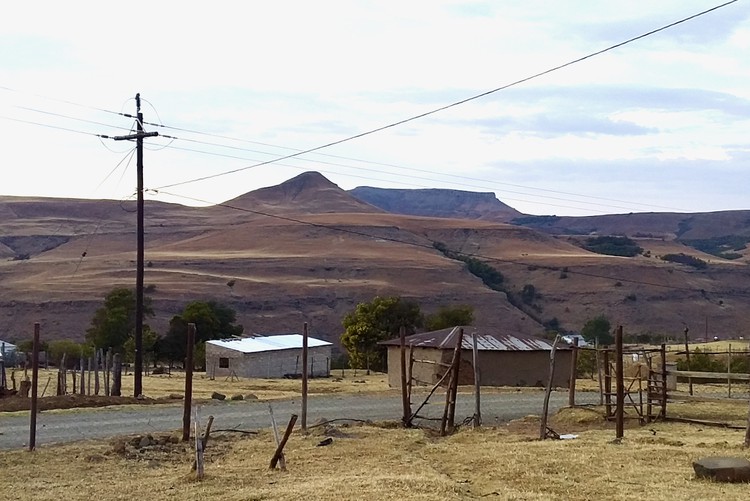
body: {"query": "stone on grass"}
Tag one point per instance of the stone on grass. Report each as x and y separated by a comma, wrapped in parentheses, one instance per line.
(218, 396)
(250, 396)
(237, 397)
(723, 469)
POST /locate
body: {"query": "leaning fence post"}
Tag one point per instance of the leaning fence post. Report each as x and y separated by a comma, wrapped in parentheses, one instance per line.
(548, 390)
(280, 448)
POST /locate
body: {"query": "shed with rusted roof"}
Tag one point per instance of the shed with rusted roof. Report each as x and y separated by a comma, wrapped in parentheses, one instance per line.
(503, 359)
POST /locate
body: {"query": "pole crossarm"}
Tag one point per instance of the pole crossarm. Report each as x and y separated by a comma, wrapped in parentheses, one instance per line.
(140, 135)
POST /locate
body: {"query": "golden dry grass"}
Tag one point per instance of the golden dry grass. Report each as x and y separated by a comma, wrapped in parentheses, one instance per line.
(369, 462)
(155, 386)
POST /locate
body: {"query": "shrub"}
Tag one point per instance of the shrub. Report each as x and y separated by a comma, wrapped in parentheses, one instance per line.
(686, 260)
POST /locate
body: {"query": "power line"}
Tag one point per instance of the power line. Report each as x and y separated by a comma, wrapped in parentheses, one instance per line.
(430, 247)
(457, 103)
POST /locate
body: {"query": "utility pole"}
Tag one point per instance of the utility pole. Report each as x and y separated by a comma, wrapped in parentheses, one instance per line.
(138, 136)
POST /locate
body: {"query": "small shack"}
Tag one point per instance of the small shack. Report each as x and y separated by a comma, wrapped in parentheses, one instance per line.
(503, 359)
(275, 356)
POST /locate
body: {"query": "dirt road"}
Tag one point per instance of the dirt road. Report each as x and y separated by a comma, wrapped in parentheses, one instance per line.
(81, 424)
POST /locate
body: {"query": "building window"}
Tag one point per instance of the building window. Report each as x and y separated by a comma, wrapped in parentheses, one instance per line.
(223, 363)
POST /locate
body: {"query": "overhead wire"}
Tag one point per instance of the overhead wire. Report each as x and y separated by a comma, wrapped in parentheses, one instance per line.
(456, 103)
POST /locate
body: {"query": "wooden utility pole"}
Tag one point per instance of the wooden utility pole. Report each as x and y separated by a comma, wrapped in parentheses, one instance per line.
(138, 136)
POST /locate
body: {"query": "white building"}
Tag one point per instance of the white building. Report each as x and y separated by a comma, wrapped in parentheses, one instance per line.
(267, 357)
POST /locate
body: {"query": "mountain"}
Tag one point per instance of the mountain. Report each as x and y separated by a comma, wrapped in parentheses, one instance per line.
(327, 251)
(437, 203)
(309, 192)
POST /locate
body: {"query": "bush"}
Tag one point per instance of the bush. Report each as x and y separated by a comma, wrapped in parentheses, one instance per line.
(686, 260)
(613, 246)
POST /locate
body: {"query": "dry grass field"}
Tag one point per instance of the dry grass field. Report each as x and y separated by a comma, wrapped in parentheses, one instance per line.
(161, 387)
(385, 462)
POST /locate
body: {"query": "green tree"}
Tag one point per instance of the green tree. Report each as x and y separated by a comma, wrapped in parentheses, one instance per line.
(72, 350)
(598, 327)
(149, 342)
(450, 316)
(114, 322)
(212, 321)
(586, 363)
(376, 321)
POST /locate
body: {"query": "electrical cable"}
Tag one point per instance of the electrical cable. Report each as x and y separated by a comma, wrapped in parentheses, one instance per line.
(460, 102)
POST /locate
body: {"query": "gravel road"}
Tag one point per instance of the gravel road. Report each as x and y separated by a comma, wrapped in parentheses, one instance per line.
(81, 424)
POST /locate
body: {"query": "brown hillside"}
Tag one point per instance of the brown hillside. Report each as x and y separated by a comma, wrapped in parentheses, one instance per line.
(283, 273)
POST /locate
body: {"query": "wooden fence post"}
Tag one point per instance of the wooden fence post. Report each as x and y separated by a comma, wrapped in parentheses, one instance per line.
(116, 376)
(607, 385)
(447, 422)
(573, 374)
(83, 377)
(663, 412)
(599, 370)
(34, 390)
(188, 383)
(304, 378)
(280, 448)
(620, 416)
(729, 370)
(97, 361)
(548, 390)
(406, 405)
(282, 459)
(477, 382)
(409, 374)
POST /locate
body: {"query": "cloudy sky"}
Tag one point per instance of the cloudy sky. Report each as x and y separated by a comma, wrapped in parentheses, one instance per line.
(660, 124)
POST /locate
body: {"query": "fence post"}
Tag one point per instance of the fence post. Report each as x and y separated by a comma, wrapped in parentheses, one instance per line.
(303, 423)
(573, 373)
(548, 390)
(404, 391)
(607, 385)
(477, 382)
(729, 370)
(663, 412)
(188, 383)
(34, 390)
(620, 429)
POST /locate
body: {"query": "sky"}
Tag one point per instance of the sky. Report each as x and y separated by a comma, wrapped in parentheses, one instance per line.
(657, 125)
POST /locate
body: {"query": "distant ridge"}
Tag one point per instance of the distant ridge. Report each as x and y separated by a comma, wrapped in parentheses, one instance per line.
(435, 202)
(309, 192)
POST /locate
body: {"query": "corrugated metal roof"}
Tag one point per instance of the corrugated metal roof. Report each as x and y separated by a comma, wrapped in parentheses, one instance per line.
(445, 339)
(267, 343)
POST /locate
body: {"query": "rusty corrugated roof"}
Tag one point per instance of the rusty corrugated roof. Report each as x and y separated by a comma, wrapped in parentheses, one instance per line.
(487, 340)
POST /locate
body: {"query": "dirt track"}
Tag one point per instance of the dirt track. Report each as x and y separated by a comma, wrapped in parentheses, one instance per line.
(81, 424)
